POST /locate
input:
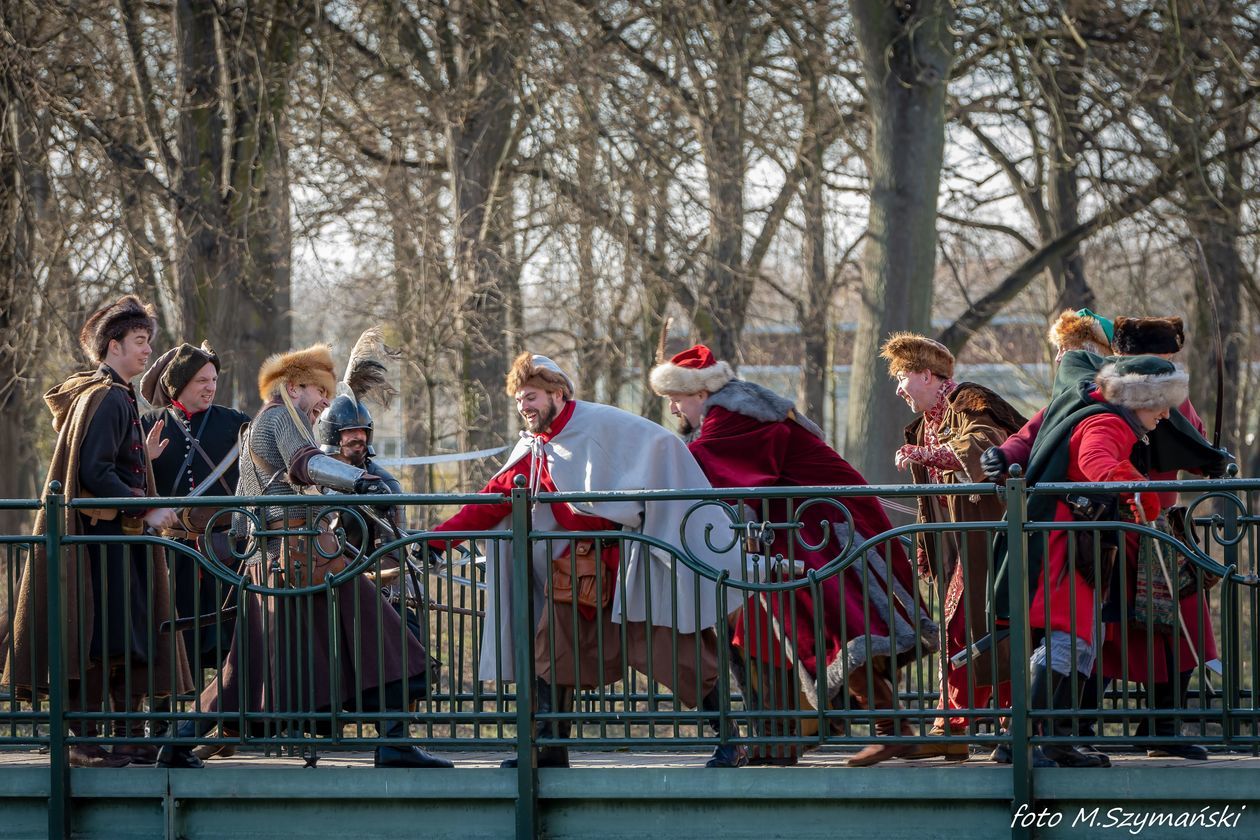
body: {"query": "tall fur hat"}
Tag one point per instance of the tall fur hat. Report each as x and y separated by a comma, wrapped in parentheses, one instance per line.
(690, 372)
(312, 366)
(1135, 336)
(533, 370)
(173, 370)
(113, 322)
(1143, 382)
(909, 352)
(1082, 330)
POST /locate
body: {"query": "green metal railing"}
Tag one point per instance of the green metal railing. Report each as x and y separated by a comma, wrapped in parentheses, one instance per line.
(801, 620)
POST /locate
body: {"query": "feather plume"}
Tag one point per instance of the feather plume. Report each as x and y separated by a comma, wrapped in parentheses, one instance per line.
(366, 374)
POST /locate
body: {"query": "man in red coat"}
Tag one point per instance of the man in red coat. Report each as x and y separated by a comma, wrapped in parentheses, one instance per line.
(744, 435)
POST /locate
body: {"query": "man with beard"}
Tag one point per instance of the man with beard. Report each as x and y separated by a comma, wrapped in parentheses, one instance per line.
(744, 435)
(288, 658)
(595, 598)
(117, 593)
(956, 423)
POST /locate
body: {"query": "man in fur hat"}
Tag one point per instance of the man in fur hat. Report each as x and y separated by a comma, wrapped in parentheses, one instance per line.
(1080, 330)
(364, 662)
(199, 436)
(957, 422)
(117, 594)
(744, 435)
(621, 592)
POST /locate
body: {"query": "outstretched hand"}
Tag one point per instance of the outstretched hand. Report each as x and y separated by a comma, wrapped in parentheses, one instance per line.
(153, 442)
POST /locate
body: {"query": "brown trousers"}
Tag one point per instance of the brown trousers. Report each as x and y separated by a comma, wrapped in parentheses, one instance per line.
(568, 652)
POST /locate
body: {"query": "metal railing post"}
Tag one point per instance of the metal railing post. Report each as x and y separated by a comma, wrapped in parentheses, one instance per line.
(58, 764)
(523, 646)
(1017, 583)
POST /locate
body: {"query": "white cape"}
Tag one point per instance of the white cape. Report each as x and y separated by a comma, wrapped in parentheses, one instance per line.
(602, 448)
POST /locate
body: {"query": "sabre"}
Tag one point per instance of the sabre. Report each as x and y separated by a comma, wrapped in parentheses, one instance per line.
(1219, 343)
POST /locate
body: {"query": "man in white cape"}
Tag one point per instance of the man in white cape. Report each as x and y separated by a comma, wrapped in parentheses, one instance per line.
(641, 600)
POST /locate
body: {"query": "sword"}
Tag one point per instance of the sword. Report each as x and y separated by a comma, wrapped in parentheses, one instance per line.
(1220, 344)
(223, 466)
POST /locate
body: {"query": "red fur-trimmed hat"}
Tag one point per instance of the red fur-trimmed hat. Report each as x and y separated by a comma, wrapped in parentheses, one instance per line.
(690, 372)
(909, 352)
(113, 322)
(1135, 336)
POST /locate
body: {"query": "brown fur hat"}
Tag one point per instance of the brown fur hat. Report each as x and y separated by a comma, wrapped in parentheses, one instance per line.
(113, 322)
(1135, 336)
(1074, 331)
(530, 369)
(909, 352)
(312, 366)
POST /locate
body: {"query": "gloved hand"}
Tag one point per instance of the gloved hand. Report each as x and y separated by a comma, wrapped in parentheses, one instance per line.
(368, 483)
(1218, 468)
(1145, 505)
(994, 463)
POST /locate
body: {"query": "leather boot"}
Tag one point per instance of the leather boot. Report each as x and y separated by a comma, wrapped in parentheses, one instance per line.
(1092, 691)
(1061, 697)
(724, 755)
(552, 756)
(878, 695)
(92, 755)
(406, 756)
(950, 751)
(180, 756)
(129, 727)
(1170, 695)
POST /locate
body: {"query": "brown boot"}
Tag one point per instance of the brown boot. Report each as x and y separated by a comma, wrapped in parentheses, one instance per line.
(92, 755)
(879, 695)
(949, 751)
(130, 728)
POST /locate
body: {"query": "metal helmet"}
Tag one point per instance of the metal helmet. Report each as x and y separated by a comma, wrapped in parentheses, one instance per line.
(342, 413)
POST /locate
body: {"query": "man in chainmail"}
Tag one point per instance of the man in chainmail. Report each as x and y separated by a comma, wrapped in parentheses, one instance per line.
(299, 662)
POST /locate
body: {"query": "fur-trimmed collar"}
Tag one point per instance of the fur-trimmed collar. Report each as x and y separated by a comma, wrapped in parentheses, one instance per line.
(759, 403)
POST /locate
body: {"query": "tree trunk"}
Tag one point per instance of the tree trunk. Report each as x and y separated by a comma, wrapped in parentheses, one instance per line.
(478, 139)
(815, 317)
(906, 57)
(727, 283)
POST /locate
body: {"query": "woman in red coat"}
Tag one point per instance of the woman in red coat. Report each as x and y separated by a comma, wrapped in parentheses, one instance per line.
(1133, 395)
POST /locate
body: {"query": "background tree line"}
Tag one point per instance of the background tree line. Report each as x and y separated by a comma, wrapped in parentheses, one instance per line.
(490, 175)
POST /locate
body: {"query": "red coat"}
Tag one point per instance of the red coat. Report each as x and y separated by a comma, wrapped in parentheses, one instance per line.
(1141, 653)
(736, 450)
(1099, 450)
(1018, 447)
(475, 517)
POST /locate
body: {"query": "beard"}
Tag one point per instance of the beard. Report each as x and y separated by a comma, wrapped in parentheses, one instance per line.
(687, 430)
(542, 419)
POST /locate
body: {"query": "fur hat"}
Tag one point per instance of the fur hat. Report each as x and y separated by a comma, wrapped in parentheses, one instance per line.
(312, 366)
(909, 352)
(113, 322)
(690, 372)
(1135, 336)
(1143, 382)
(173, 370)
(532, 370)
(1082, 330)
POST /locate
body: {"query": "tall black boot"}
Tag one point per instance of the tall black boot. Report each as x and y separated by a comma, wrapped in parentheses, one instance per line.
(180, 756)
(406, 756)
(1168, 695)
(552, 756)
(1092, 690)
(724, 755)
(1036, 700)
(390, 698)
(1061, 697)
